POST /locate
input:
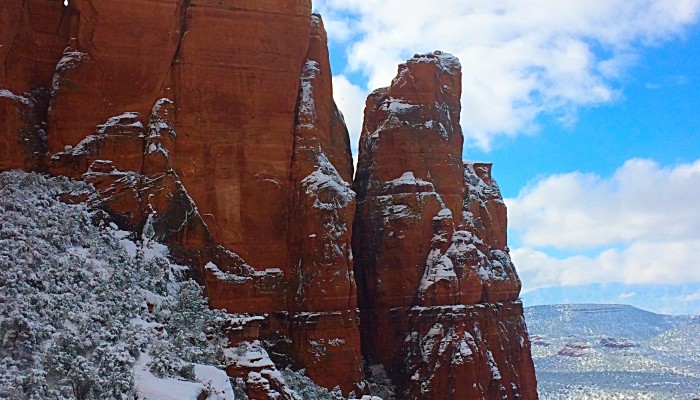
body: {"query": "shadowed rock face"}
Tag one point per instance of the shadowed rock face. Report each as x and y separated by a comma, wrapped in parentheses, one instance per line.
(211, 126)
(33, 34)
(437, 290)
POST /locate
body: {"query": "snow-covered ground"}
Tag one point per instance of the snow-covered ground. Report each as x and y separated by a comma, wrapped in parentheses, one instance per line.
(90, 312)
(616, 352)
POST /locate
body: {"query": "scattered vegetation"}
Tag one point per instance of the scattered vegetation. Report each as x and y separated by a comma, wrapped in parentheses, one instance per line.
(80, 303)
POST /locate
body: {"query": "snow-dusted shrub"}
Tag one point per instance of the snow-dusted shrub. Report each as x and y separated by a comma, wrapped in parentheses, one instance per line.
(74, 315)
(380, 384)
(308, 389)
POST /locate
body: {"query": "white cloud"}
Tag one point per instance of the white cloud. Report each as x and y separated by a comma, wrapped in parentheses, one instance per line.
(644, 217)
(691, 297)
(641, 201)
(639, 263)
(350, 99)
(521, 58)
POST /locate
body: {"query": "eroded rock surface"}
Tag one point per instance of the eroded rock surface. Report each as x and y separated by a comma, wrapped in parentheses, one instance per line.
(438, 291)
(33, 34)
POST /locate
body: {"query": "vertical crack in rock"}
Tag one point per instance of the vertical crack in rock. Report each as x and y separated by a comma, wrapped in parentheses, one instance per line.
(33, 40)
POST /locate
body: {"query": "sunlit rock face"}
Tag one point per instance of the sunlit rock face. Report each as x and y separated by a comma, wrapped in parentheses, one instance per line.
(200, 121)
(437, 289)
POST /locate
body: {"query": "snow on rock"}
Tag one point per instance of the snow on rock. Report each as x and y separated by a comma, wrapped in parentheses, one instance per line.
(249, 355)
(440, 268)
(409, 179)
(9, 95)
(480, 189)
(70, 60)
(158, 122)
(126, 123)
(250, 360)
(327, 187)
(445, 61)
(445, 213)
(215, 380)
(127, 119)
(250, 273)
(495, 372)
(398, 212)
(397, 106)
(306, 105)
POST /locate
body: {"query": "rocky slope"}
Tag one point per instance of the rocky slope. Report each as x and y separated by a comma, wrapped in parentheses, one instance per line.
(231, 149)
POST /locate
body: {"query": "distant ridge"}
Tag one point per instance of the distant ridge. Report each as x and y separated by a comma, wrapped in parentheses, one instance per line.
(605, 351)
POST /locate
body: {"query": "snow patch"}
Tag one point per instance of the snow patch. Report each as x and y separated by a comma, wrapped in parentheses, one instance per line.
(408, 179)
(327, 187)
(495, 372)
(306, 107)
(250, 273)
(70, 60)
(9, 95)
(445, 61)
(398, 106)
(440, 268)
(208, 379)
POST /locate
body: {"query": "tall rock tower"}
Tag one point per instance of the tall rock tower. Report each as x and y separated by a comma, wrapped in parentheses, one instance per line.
(438, 292)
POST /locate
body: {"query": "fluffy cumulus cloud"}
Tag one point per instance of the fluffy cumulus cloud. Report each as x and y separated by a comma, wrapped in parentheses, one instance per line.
(521, 58)
(640, 201)
(639, 226)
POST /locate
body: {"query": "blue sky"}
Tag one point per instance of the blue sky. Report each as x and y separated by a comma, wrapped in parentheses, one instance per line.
(590, 112)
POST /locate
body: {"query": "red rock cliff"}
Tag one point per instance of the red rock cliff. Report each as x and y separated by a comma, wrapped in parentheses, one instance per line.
(202, 120)
(211, 126)
(438, 292)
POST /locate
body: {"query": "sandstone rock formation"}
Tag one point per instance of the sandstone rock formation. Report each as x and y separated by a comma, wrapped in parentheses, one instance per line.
(226, 146)
(203, 127)
(438, 292)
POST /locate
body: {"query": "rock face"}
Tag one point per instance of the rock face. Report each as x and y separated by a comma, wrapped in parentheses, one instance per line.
(438, 292)
(325, 295)
(33, 34)
(229, 147)
(202, 126)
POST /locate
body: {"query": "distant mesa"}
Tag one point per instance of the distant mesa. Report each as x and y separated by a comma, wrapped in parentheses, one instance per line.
(616, 343)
